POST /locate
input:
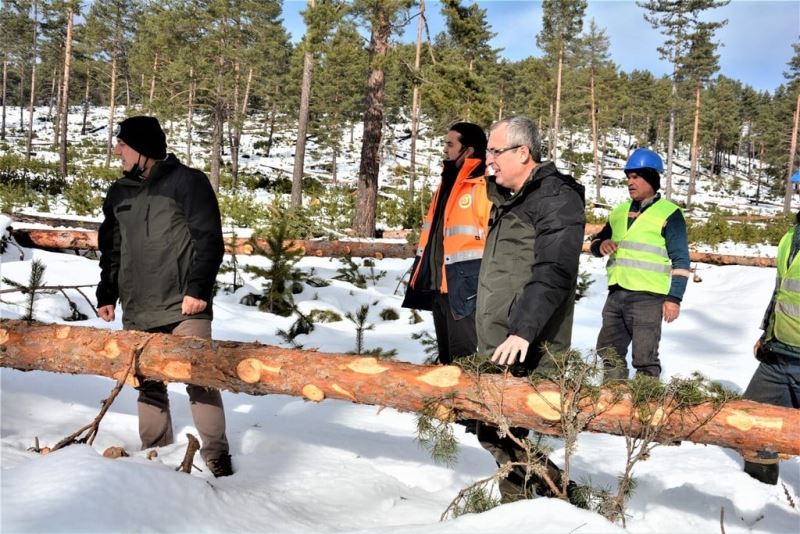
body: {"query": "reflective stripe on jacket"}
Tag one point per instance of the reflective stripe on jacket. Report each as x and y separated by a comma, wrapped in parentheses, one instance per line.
(464, 224)
(786, 322)
(641, 262)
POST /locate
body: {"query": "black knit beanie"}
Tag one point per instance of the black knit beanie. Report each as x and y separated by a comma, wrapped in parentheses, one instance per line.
(473, 136)
(144, 135)
(651, 176)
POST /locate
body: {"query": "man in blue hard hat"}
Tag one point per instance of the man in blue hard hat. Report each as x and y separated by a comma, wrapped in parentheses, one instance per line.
(777, 378)
(647, 246)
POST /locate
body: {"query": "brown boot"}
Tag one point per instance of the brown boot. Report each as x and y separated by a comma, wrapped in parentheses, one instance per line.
(220, 467)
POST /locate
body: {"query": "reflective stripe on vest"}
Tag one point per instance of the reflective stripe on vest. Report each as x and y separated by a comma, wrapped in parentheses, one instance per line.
(641, 262)
(786, 321)
(464, 222)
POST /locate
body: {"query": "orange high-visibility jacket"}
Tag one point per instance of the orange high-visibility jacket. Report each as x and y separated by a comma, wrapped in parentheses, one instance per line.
(465, 224)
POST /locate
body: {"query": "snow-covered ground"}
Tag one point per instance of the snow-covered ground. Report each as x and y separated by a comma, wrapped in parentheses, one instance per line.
(337, 466)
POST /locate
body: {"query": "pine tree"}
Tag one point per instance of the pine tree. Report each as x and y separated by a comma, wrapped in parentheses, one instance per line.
(793, 75)
(562, 22)
(700, 63)
(380, 14)
(678, 21)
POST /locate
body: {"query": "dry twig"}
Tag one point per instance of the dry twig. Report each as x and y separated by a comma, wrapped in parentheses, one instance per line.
(191, 448)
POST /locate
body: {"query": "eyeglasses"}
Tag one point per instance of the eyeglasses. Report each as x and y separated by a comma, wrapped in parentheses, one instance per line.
(497, 151)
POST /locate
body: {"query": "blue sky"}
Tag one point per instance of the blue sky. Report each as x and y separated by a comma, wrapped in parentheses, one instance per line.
(757, 41)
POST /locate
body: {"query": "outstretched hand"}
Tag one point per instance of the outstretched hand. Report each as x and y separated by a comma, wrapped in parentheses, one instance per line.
(510, 349)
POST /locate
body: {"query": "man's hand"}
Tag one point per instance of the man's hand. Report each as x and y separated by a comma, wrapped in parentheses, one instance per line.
(106, 312)
(671, 311)
(757, 349)
(507, 352)
(608, 247)
(192, 306)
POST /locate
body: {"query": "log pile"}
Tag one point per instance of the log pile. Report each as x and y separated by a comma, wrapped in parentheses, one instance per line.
(258, 369)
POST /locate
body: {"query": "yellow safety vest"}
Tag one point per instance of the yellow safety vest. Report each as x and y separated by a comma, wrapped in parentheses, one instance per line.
(785, 325)
(641, 262)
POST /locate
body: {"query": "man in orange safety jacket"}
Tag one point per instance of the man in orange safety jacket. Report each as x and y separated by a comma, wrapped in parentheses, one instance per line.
(444, 276)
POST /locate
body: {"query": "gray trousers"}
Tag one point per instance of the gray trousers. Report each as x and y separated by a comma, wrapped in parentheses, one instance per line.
(155, 421)
(630, 317)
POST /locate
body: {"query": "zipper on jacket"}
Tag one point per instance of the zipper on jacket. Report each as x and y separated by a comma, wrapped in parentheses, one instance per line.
(147, 221)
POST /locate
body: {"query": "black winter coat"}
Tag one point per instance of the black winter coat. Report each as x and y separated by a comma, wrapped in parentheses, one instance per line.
(161, 240)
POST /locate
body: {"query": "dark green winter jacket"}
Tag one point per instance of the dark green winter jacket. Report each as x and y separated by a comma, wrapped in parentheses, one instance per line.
(530, 264)
(160, 241)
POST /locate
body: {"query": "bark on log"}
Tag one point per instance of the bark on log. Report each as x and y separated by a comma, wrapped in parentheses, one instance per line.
(261, 369)
(87, 240)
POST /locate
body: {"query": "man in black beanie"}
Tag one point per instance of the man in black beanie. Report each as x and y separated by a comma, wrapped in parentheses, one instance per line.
(444, 276)
(161, 247)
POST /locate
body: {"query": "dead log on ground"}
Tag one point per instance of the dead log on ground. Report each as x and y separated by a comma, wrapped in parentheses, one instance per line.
(261, 369)
(87, 240)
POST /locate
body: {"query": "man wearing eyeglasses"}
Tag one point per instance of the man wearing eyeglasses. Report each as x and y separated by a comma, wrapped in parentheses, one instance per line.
(526, 289)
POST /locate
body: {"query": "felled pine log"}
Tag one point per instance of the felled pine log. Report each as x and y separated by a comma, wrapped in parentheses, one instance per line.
(444, 390)
(87, 240)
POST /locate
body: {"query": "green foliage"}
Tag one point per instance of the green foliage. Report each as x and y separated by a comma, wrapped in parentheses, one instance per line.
(83, 198)
(350, 272)
(282, 280)
(717, 230)
(303, 325)
(584, 282)
(429, 344)
(476, 500)
(359, 318)
(415, 317)
(324, 316)
(31, 175)
(240, 208)
(436, 435)
(389, 314)
(33, 289)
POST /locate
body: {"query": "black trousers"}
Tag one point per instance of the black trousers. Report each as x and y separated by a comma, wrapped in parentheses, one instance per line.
(630, 317)
(455, 337)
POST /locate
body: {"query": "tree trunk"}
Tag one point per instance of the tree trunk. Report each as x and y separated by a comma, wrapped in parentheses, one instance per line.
(57, 117)
(3, 99)
(787, 199)
(87, 240)
(695, 134)
(153, 84)
(557, 117)
(233, 126)
(598, 176)
(369, 167)
(671, 137)
(190, 118)
(218, 118)
(448, 391)
(302, 128)
(86, 99)
(273, 113)
(29, 141)
(21, 96)
(65, 95)
(112, 107)
(412, 177)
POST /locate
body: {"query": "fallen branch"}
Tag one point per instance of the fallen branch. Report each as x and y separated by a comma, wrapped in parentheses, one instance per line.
(92, 428)
(188, 459)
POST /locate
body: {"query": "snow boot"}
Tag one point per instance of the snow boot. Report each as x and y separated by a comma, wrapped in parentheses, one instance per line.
(220, 467)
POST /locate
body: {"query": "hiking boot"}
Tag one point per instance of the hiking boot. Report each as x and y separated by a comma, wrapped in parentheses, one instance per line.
(220, 467)
(765, 473)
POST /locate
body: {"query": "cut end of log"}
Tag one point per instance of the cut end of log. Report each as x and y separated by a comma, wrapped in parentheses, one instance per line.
(178, 371)
(744, 421)
(340, 390)
(110, 350)
(63, 332)
(313, 393)
(115, 452)
(367, 366)
(152, 454)
(249, 370)
(442, 377)
(3, 336)
(545, 405)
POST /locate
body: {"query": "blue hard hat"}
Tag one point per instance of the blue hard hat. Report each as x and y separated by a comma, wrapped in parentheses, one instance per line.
(644, 158)
(796, 177)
